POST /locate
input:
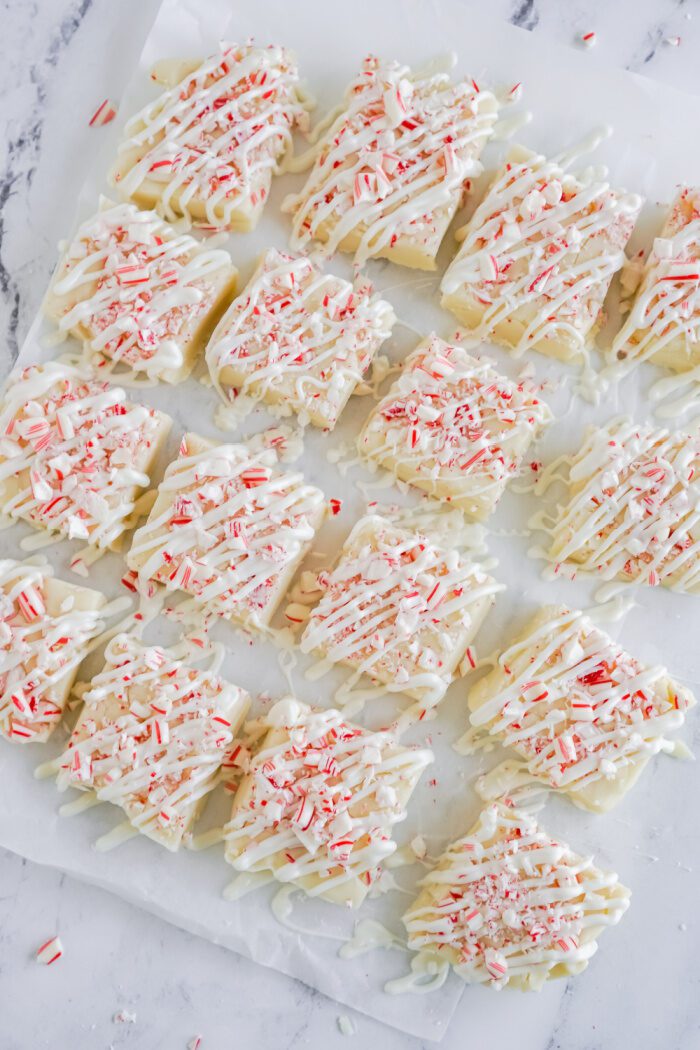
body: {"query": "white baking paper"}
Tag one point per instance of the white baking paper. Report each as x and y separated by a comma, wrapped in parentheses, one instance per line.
(569, 93)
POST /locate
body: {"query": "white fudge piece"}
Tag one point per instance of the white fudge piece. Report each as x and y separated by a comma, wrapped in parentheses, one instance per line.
(663, 325)
(399, 609)
(152, 737)
(509, 905)
(454, 427)
(46, 626)
(297, 337)
(583, 714)
(139, 294)
(538, 256)
(228, 529)
(208, 146)
(319, 802)
(75, 454)
(390, 171)
(633, 511)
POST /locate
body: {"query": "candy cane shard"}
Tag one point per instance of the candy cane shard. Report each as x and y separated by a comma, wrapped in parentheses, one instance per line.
(318, 805)
(633, 510)
(297, 337)
(663, 326)
(538, 255)
(399, 609)
(46, 626)
(152, 737)
(389, 173)
(509, 905)
(74, 453)
(454, 427)
(229, 529)
(583, 714)
(138, 294)
(208, 146)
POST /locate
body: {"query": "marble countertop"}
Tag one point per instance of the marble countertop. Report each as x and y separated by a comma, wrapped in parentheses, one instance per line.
(61, 58)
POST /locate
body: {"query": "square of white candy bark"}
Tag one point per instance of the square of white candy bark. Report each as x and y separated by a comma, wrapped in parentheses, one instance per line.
(454, 427)
(389, 173)
(138, 293)
(663, 325)
(151, 738)
(538, 255)
(46, 626)
(509, 905)
(319, 801)
(400, 609)
(208, 146)
(297, 337)
(632, 511)
(228, 529)
(75, 454)
(584, 715)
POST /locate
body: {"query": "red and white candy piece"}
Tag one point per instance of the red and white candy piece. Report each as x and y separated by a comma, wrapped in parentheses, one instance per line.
(50, 952)
(104, 114)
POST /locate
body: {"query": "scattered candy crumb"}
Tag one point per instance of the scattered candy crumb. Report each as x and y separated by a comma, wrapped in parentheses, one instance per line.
(194, 1044)
(419, 847)
(672, 41)
(124, 1017)
(589, 39)
(104, 114)
(50, 952)
(346, 1025)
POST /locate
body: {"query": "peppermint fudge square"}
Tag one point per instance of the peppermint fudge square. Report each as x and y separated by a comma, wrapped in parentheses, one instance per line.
(152, 737)
(538, 255)
(298, 339)
(632, 510)
(229, 529)
(208, 146)
(46, 627)
(455, 428)
(319, 801)
(389, 173)
(584, 715)
(663, 325)
(399, 609)
(75, 454)
(508, 904)
(138, 294)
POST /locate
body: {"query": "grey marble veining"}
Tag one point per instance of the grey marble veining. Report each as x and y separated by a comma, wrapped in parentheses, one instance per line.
(60, 59)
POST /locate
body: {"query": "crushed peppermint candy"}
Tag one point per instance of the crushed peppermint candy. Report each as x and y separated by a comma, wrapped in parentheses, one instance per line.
(50, 952)
(104, 114)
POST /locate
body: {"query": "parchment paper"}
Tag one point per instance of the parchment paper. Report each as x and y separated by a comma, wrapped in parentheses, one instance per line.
(569, 93)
